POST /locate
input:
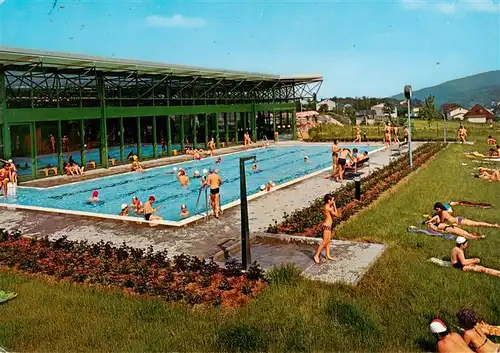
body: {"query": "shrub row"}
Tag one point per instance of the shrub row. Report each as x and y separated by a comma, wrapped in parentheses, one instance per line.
(186, 279)
(307, 221)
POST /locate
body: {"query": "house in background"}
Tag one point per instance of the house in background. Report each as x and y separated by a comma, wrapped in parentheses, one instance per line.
(453, 111)
(329, 103)
(380, 111)
(365, 116)
(415, 107)
(479, 114)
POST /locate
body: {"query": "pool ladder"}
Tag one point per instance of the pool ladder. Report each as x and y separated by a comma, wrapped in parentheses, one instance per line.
(206, 202)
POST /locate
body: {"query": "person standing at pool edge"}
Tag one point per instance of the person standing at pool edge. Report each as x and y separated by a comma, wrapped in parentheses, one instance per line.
(329, 211)
(214, 181)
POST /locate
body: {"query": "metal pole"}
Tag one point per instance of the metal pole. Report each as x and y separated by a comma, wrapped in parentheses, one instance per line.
(409, 134)
(245, 228)
(445, 118)
(357, 185)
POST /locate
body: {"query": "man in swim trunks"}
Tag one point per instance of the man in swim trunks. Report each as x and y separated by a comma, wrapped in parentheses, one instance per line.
(396, 134)
(329, 211)
(459, 261)
(406, 134)
(445, 216)
(214, 181)
(149, 210)
(448, 342)
(4, 178)
(343, 161)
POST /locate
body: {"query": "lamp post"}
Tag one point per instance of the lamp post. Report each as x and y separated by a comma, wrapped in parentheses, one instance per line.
(245, 228)
(408, 94)
(446, 117)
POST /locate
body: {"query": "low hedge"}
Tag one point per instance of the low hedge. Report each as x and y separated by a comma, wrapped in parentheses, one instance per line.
(307, 221)
(186, 279)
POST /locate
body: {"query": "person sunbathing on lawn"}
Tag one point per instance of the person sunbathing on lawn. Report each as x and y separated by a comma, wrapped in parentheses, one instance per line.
(448, 342)
(484, 174)
(446, 217)
(474, 336)
(436, 225)
(459, 261)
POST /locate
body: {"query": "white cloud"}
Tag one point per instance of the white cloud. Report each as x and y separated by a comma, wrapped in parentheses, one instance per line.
(451, 7)
(174, 21)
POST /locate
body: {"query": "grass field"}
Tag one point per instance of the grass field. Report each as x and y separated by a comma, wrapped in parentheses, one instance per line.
(388, 311)
(421, 131)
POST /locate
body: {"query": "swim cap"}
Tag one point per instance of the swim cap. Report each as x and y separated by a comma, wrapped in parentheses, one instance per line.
(152, 198)
(205, 171)
(461, 240)
(183, 205)
(124, 206)
(10, 161)
(175, 169)
(196, 172)
(305, 157)
(263, 187)
(95, 193)
(437, 326)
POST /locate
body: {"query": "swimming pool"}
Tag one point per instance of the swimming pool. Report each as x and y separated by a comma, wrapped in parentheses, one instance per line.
(280, 164)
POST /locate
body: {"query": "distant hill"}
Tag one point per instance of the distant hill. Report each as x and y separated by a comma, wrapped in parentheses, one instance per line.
(476, 89)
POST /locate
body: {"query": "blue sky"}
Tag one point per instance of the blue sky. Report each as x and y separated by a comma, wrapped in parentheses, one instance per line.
(364, 47)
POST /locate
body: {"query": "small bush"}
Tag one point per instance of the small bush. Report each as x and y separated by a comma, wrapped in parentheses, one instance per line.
(283, 275)
(241, 338)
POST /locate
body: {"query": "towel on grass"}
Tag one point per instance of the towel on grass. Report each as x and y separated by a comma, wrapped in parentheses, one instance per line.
(475, 204)
(413, 229)
(440, 262)
(4, 296)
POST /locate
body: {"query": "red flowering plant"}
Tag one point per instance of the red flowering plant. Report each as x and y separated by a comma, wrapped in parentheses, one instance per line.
(307, 221)
(184, 278)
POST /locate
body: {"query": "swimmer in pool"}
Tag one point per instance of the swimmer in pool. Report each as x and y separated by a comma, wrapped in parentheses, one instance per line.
(95, 197)
(196, 174)
(184, 211)
(125, 210)
(183, 178)
(306, 159)
(218, 161)
(255, 168)
(137, 205)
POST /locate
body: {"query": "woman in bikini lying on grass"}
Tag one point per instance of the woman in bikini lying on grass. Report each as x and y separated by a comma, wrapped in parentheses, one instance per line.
(446, 217)
(484, 174)
(436, 225)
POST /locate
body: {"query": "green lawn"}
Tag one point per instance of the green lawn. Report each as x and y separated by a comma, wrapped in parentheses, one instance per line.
(388, 310)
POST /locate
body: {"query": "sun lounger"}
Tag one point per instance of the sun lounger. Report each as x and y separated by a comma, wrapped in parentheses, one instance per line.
(47, 171)
(400, 148)
(353, 169)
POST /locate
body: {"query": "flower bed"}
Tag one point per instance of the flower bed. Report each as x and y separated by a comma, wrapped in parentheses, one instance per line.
(307, 221)
(184, 279)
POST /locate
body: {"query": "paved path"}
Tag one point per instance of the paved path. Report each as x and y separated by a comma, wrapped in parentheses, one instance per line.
(203, 238)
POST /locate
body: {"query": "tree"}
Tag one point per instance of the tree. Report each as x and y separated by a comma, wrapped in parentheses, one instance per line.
(350, 112)
(323, 108)
(429, 111)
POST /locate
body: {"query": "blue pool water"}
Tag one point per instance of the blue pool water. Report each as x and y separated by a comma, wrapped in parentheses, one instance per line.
(279, 164)
(90, 155)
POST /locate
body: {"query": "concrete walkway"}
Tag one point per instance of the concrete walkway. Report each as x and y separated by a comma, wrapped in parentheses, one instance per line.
(205, 237)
